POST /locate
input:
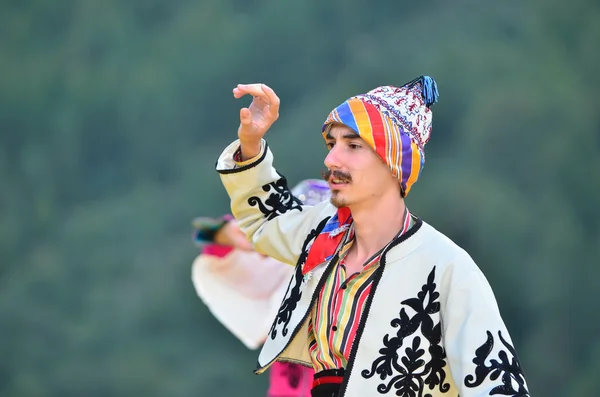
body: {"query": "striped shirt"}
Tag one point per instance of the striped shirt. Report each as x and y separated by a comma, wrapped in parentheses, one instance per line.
(335, 317)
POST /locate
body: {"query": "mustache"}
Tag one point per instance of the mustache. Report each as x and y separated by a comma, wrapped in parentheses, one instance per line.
(343, 176)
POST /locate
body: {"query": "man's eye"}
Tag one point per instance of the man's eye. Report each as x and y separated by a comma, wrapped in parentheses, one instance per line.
(329, 145)
(354, 146)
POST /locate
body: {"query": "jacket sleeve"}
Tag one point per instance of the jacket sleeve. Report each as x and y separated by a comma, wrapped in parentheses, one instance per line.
(242, 290)
(274, 220)
(479, 350)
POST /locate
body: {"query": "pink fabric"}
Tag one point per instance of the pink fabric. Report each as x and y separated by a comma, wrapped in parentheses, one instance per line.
(289, 380)
(217, 250)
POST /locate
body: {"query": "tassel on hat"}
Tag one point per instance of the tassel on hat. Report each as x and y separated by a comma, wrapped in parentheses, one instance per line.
(429, 89)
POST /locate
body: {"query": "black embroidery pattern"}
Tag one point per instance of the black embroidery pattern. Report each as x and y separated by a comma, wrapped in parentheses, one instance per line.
(312, 236)
(508, 368)
(410, 374)
(284, 314)
(280, 201)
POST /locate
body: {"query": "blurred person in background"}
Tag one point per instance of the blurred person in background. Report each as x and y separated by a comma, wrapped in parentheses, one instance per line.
(243, 289)
(380, 301)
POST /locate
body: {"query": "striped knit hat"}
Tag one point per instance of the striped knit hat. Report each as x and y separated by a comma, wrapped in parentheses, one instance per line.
(395, 122)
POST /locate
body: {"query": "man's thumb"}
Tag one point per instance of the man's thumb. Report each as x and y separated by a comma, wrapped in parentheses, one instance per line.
(245, 116)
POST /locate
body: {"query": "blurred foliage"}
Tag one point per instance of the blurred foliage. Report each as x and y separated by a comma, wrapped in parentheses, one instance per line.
(113, 113)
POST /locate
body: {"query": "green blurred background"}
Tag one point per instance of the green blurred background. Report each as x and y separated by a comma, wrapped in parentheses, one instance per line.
(112, 114)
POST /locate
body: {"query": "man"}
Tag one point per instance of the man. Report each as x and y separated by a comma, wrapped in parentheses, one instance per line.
(381, 303)
(243, 289)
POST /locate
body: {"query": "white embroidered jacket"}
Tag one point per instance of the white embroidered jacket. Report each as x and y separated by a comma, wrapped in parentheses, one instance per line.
(431, 326)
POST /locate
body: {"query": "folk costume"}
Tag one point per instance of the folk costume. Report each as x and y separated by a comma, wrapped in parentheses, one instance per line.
(419, 320)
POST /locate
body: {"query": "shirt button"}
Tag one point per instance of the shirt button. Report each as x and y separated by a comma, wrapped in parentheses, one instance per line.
(334, 328)
(344, 286)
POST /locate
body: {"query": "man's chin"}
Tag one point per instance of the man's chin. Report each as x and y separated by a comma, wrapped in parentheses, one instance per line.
(338, 201)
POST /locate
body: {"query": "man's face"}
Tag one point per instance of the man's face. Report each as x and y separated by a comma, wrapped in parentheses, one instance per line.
(356, 175)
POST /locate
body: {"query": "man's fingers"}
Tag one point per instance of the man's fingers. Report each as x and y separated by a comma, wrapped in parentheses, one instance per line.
(265, 94)
(273, 100)
(250, 89)
(240, 91)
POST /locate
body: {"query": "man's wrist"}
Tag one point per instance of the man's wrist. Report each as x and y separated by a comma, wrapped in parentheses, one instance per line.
(249, 150)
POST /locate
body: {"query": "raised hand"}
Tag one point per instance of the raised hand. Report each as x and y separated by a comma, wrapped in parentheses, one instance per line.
(256, 119)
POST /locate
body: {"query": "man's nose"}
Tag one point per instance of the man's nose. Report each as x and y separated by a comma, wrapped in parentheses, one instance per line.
(332, 160)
